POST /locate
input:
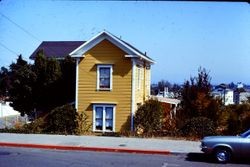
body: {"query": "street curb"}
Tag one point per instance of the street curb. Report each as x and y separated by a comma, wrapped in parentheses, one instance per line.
(82, 148)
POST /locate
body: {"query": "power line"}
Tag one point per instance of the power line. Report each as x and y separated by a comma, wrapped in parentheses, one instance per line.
(23, 29)
(10, 50)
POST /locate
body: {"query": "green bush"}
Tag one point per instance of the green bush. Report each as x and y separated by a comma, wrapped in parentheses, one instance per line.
(62, 120)
(198, 127)
(13, 130)
(148, 118)
(36, 126)
(245, 120)
(83, 126)
(234, 119)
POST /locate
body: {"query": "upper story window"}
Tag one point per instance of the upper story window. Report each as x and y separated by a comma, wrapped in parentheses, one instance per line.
(104, 77)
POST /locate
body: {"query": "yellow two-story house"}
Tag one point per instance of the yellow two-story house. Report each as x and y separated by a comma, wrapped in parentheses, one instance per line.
(112, 80)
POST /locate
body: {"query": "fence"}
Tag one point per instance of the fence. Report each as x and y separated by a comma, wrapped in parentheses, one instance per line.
(12, 121)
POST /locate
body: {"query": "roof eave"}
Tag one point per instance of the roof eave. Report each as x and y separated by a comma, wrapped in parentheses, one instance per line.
(74, 52)
(79, 52)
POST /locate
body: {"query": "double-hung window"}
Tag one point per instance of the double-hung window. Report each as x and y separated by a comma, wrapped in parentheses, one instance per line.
(104, 118)
(104, 77)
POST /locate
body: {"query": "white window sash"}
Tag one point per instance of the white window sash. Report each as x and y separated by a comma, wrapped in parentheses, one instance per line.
(103, 118)
(110, 77)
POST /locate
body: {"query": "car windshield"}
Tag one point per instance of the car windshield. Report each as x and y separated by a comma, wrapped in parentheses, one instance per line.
(245, 134)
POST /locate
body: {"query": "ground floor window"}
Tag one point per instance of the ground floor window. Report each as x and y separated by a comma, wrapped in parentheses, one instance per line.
(104, 118)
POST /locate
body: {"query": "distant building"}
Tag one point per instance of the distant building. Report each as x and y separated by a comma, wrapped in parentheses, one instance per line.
(9, 117)
(173, 104)
(238, 94)
(166, 93)
(240, 85)
(7, 110)
(225, 94)
(241, 96)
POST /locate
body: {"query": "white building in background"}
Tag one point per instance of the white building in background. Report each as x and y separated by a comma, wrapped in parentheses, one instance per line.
(241, 97)
(165, 93)
(6, 110)
(170, 101)
(225, 94)
(240, 85)
(229, 97)
(9, 117)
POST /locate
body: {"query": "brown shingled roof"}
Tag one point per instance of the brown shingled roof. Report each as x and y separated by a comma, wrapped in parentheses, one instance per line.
(56, 49)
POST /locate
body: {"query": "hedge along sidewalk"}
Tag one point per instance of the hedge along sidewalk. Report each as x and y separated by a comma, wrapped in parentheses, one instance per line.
(99, 143)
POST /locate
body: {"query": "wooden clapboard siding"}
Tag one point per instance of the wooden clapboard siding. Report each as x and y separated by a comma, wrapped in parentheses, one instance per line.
(106, 53)
(147, 82)
(142, 91)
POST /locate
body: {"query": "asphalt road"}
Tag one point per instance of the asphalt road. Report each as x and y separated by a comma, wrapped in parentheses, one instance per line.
(24, 157)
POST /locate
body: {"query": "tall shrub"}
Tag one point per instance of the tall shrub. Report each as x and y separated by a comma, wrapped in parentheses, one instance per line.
(198, 127)
(148, 117)
(83, 126)
(62, 120)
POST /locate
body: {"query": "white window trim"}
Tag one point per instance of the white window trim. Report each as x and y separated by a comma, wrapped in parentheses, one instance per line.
(133, 94)
(103, 118)
(77, 82)
(98, 77)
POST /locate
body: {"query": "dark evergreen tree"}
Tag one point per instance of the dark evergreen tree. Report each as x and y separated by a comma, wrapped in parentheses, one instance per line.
(46, 87)
(22, 79)
(4, 82)
(68, 80)
(40, 87)
(196, 98)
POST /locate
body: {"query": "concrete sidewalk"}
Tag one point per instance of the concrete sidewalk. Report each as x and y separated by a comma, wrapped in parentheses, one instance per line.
(98, 143)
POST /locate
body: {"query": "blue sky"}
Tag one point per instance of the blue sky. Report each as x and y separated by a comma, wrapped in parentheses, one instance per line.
(179, 36)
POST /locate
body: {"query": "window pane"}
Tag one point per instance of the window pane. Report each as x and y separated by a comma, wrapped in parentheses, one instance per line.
(109, 112)
(105, 72)
(98, 125)
(109, 125)
(104, 77)
(98, 114)
(104, 83)
(98, 118)
(109, 118)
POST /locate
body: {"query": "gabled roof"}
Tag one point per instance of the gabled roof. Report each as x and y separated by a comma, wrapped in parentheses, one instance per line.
(57, 49)
(126, 47)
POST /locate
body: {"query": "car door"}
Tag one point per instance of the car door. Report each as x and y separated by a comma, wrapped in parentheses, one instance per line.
(245, 146)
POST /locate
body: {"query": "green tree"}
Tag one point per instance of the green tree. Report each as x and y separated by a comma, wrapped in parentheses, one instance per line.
(46, 88)
(198, 105)
(197, 100)
(21, 80)
(4, 82)
(68, 79)
(40, 87)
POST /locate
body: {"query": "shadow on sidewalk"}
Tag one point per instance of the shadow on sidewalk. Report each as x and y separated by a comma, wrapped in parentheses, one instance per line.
(201, 157)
